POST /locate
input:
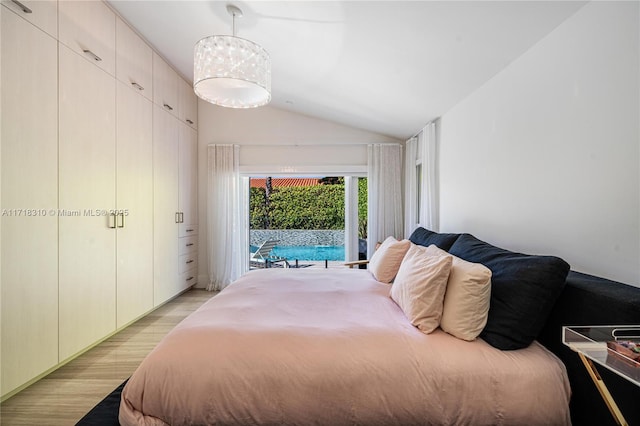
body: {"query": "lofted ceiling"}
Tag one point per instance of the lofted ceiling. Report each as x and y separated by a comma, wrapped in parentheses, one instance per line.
(383, 66)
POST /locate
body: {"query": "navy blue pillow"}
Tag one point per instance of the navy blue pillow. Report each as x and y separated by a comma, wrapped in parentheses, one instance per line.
(424, 237)
(524, 289)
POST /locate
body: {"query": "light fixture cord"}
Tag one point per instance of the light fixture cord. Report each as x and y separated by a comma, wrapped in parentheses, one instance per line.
(233, 23)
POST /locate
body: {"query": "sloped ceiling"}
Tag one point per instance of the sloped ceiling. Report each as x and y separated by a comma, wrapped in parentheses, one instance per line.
(383, 66)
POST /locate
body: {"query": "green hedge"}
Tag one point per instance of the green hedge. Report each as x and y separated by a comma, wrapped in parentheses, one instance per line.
(310, 207)
(362, 208)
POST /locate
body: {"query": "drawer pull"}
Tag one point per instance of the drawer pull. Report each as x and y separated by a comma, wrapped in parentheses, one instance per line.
(189, 279)
(24, 8)
(137, 86)
(93, 55)
(189, 261)
(169, 107)
(189, 244)
(190, 230)
(189, 121)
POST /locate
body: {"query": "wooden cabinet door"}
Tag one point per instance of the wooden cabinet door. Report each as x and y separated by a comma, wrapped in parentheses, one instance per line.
(165, 85)
(134, 205)
(89, 29)
(134, 60)
(41, 13)
(87, 243)
(188, 107)
(188, 181)
(29, 202)
(165, 205)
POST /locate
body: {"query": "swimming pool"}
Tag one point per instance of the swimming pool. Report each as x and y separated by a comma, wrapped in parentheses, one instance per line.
(308, 252)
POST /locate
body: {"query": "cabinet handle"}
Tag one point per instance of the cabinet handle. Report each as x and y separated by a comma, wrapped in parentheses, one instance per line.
(167, 106)
(189, 244)
(189, 121)
(24, 8)
(189, 279)
(93, 55)
(189, 261)
(121, 224)
(137, 86)
(112, 223)
(181, 217)
(190, 230)
(177, 218)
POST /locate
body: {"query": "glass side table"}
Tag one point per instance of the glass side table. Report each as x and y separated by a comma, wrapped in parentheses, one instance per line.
(595, 344)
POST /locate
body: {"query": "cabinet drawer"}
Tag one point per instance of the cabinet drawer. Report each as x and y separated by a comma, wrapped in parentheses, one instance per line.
(188, 262)
(43, 13)
(189, 278)
(188, 244)
(89, 29)
(188, 230)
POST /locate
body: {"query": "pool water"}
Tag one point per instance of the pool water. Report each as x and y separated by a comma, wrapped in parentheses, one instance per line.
(308, 252)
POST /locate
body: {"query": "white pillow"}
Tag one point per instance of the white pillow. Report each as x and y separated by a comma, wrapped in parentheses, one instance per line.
(420, 285)
(386, 259)
(466, 301)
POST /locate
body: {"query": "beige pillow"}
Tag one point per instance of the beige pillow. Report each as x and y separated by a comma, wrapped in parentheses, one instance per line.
(386, 259)
(420, 285)
(466, 301)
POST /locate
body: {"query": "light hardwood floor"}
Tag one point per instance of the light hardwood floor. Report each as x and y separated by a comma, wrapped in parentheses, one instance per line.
(66, 395)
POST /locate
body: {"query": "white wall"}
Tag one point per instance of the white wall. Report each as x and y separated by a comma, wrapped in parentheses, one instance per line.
(274, 140)
(545, 157)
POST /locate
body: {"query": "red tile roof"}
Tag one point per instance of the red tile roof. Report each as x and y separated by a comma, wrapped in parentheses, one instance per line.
(284, 182)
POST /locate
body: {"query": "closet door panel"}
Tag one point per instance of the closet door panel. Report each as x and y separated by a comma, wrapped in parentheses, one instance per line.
(29, 168)
(87, 194)
(165, 86)
(41, 13)
(89, 29)
(188, 181)
(134, 205)
(165, 205)
(134, 60)
(188, 107)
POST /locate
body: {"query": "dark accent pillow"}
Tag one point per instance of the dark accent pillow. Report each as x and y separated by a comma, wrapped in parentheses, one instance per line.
(424, 237)
(524, 289)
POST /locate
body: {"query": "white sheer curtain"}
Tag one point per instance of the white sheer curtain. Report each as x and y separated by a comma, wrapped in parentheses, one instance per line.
(421, 181)
(384, 170)
(411, 200)
(226, 239)
(429, 211)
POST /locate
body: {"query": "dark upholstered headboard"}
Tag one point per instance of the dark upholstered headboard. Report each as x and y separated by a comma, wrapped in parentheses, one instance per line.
(584, 300)
(589, 300)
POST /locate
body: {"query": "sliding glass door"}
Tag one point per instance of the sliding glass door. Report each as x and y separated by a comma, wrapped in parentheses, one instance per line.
(305, 220)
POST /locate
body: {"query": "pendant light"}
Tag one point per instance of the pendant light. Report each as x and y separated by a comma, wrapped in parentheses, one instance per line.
(231, 71)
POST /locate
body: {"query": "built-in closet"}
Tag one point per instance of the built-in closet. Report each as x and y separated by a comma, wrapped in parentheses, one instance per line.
(98, 182)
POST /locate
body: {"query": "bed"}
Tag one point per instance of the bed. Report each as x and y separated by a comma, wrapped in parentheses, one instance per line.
(330, 347)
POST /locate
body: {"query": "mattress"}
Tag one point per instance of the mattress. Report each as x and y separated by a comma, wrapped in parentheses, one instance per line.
(329, 347)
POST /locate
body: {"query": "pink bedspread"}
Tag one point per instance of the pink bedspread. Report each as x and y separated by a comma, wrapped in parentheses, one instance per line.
(329, 347)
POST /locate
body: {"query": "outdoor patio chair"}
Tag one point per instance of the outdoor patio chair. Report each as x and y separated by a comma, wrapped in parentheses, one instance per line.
(262, 257)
